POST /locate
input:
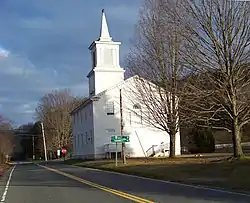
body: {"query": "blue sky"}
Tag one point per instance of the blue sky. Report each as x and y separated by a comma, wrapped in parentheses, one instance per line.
(44, 46)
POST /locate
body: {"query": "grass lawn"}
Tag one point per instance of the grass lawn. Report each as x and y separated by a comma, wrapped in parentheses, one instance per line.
(208, 171)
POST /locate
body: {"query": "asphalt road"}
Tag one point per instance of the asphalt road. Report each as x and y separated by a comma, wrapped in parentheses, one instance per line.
(58, 183)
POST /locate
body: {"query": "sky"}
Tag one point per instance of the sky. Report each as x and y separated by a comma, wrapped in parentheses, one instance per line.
(44, 47)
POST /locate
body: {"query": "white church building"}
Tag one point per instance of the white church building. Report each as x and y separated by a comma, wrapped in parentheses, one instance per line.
(98, 118)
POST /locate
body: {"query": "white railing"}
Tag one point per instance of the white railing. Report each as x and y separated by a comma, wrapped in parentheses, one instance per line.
(112, 147)
(151, 150)
(156, 149)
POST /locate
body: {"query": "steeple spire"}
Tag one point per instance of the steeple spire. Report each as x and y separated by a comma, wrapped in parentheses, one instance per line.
(104, 33)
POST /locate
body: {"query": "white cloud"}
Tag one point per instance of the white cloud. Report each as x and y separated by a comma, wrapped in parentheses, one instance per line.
(30, 111)
(36, 23)
(16, 65)
(13, 70)
(27, 108)
(18, 72)
(3, 52)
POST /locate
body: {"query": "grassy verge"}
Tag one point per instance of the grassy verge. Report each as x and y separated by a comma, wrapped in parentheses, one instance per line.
(214, 172)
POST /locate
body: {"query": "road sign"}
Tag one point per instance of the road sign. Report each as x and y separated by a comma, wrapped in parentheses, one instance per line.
(118, 138)
(64, 151)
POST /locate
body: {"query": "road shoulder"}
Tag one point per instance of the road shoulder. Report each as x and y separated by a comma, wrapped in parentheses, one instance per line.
(156, 190)
(200, 172)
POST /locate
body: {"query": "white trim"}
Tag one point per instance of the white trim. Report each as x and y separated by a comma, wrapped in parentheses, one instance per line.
(2, 200)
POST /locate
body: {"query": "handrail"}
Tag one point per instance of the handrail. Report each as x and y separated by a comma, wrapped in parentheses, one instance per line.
(151, 147)
(157, 148)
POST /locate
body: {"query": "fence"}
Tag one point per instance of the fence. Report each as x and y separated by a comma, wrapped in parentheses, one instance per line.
(228, 148)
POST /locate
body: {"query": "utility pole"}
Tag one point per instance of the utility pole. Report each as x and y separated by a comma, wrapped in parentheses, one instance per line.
(33, 146)
(123, 143)
(44, 142)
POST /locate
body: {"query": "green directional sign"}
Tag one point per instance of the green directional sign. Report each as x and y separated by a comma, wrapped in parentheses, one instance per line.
(118, 138)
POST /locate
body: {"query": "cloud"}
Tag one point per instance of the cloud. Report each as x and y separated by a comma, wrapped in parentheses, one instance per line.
(46, 47)
(4, 99)
(3, 52)
(16, 65)
(18, 73)
(27, 108)
(36, 23)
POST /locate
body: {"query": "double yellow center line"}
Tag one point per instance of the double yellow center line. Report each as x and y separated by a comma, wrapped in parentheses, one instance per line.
(100, 187)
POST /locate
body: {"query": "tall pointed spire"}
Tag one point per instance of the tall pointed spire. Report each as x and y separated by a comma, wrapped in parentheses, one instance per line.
(104, 33)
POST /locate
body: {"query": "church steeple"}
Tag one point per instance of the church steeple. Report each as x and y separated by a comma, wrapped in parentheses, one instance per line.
(104, 32)
(106, 71)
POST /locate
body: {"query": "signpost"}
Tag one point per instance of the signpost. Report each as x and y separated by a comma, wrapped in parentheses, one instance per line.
(118, 139)
(64, 151)
(58, 153)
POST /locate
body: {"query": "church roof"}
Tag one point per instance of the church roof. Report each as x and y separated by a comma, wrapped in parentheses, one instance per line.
(84, 103)
(89, 100)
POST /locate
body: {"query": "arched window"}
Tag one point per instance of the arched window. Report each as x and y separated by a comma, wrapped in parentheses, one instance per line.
(137, 114)
(137, 106)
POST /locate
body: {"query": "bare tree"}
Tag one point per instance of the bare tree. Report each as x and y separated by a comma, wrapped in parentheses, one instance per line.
(157, 61)
(221, 45)
(6, 139)
(53, 110)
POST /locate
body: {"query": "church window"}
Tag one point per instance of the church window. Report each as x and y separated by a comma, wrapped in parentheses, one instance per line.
(86, 138)
(74, 141)
(110, 130)
(137, 106)
(110, 108)
(94, 58)
(91, 137)
(82, 138)
(78, 141)
(77, 117)
(137, 113)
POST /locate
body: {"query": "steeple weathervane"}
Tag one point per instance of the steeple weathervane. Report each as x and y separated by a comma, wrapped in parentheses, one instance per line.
(104, 34)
